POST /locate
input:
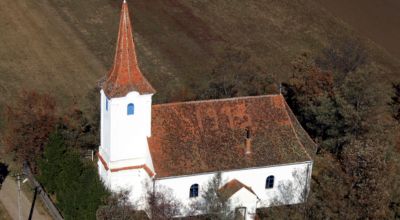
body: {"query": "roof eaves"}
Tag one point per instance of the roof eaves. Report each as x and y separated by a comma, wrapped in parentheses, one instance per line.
(287, 109)
(247, 168)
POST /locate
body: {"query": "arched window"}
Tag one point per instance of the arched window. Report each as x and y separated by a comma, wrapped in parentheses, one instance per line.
(270, 182)
(131, 109)
(194, 190)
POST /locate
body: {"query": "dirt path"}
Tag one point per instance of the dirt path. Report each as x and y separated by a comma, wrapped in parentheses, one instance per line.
(8, 197)
(377, 20)
(3, 213)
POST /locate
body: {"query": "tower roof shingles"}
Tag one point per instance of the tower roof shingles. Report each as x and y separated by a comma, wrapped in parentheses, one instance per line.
(125, 75)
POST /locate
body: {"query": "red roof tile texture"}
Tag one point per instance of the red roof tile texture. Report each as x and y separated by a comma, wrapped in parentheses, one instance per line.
(207, 136)
(125, 75)
(233, 186)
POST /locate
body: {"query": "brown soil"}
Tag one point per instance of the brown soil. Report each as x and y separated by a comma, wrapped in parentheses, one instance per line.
(40, 51)
(65, 47)
(378, 20)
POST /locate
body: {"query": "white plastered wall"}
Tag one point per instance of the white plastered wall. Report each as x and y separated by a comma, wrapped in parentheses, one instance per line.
(137, 181)
(124, 140)
(254, 178)
(244, 198)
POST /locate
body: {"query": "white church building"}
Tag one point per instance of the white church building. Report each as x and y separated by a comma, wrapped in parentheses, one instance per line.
(256, 143)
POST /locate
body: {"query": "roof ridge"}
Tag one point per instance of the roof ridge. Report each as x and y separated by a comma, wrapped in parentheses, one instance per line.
(215, 100)
(239, 183)
(292, 128)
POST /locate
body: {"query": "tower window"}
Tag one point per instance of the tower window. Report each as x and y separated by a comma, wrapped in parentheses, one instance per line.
(269, 183)
(131, 109)
(194, 191)
(106, 104)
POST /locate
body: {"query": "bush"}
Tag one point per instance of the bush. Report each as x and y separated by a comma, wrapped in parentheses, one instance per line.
(76, 184)
(29, 121)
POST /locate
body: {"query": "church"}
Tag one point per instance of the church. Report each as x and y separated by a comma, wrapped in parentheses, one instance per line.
(263, 154)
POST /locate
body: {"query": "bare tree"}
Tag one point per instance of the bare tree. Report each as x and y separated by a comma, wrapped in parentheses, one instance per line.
(291, 191)
(214, 204)
(118, 207)
(29, 121)
(161, 204)
(288, 191)
(235, 69)
(395, 102)
(343, 56)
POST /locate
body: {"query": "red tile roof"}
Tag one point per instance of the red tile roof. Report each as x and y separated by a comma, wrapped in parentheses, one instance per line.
(231, 187)
(125, 75)
(206, 136)
(143, 166)
(102, 161)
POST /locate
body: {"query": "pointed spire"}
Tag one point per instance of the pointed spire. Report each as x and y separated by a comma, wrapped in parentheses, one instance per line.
(125, 75)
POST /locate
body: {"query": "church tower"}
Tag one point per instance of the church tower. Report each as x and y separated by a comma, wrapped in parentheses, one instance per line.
(126, 99)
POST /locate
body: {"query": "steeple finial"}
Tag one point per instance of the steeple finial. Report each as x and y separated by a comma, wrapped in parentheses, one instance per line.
(125, 75)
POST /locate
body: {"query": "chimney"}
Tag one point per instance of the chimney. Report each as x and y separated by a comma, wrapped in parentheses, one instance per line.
(248, 141)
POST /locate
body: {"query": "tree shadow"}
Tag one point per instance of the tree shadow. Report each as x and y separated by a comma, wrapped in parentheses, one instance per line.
(33, 203)
(3, 172)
